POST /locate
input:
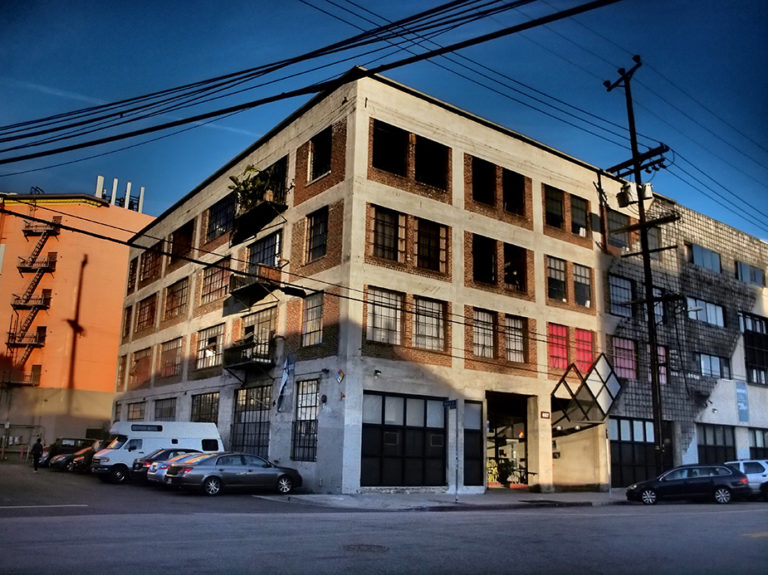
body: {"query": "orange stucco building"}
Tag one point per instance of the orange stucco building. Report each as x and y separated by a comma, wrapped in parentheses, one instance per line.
(62, 285)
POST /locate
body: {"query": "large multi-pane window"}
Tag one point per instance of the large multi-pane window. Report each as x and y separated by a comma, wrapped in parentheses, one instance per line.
(553, 207)
(176, 297)
(385, 316)
(557, 346)
(317, 234)
(320, 154)
(705, 311)
(758, 443)
(133, 267)
(388, 234)
(127, 322)
(584, 349)
(145, 312)
(482, 333)
(431, 162)
(556, 279)
(215, 281)
(429, 324)
(171, 357)
(617, 233)
(704, 257)
(624, 358)
(750, 274)
(259, 328)
(151, 263)
(431, 245)
(755, 330)
(165, 409)
(582, 285)
(250, 429)
(404, 441)
(620, 291)
(312, 322)
(716, 443)
(205, 407)
(136, 411)
(713, 365)
(210, 343)
(221, 217)
(304, 440)
(141, 367)
(515, 338)
(483, 259)
(265, 251)
(579, 215)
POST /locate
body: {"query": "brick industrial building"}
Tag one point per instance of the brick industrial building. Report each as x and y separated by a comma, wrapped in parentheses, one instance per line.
(393, 292)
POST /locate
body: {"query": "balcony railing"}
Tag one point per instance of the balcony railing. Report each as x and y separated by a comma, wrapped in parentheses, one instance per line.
(34, 264)
(252, 216)
(250, 353)
(37, 229)
(251, 288)
(17, 340)
(39, 301)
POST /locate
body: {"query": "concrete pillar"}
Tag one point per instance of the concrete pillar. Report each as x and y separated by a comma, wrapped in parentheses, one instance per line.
(540, 442)
(114, 192)
(141, 199)
(99, 186)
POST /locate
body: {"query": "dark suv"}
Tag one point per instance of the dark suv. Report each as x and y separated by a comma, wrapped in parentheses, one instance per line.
(63, 445)
(717, 482)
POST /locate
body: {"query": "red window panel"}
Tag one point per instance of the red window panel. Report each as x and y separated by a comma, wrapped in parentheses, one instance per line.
(557, 339)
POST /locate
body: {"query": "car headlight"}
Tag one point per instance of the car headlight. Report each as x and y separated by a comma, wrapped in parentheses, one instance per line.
(633, 486)
(104, 460)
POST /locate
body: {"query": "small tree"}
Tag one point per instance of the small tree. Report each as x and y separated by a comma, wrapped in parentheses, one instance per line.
(254, 186)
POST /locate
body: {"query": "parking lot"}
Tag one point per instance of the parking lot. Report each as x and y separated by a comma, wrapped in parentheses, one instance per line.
(24, 492)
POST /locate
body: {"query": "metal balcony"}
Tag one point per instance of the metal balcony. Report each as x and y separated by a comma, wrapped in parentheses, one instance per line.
(38, 228)
(262, 281)
(29, 265)
(249, 353)
(38, 301)
(15, 339)
(251, 218)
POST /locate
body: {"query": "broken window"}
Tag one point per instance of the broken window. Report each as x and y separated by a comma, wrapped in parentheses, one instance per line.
(483, 181)
(390, 148)
(483, 259)
(513, 192)
(320, 154)
(265, 251)
(221, 217)
(515, 263)
(553, 207)
(210, 346)
(431, 159)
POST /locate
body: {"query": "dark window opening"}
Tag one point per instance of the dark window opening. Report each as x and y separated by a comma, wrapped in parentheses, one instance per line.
(320, 153)
(317, 234)
(513, 190)
(431, 246)
(390, 148)
(221, 217)
(554, 207)
(388, 234)
(181, 241)
(431, 163)
(515, 264)
(483, 259)
(556, 279)
(617, 234)
(483, 181)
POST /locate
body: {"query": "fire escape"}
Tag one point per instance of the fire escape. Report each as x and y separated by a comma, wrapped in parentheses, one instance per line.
(20, 341)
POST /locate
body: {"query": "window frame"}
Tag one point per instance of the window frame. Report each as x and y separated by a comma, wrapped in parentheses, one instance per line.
(429, 324)
(312, 320)
(384, 307)
(207, 343)
(317, 235)
(221, 217)
(557, 346)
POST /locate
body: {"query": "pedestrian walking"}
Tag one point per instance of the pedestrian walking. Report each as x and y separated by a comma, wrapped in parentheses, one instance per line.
(37, 451)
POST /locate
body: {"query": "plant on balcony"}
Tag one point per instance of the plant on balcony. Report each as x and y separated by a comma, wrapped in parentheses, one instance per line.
(254, 186)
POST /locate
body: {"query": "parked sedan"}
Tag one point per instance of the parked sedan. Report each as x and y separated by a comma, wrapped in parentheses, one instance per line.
(81, 463)
(716, 482)
(232, 471)
(71, 461)
(142, 464)
(156, 472)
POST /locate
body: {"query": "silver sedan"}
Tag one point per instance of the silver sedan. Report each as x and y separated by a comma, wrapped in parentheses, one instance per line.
(232, 471)
(156, 472)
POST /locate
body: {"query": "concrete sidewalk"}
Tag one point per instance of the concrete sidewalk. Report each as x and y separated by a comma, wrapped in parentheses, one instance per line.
(493, 499)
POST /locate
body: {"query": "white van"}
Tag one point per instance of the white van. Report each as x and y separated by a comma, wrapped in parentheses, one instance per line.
(133, 439)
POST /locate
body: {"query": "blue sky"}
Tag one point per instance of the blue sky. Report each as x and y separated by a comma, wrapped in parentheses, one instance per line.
(702, 89)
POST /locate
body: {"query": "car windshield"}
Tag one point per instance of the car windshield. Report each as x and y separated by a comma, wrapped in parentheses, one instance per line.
(117, 441)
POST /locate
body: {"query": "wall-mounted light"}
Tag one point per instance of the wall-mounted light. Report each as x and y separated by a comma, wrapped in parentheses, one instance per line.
(376, 373)
(714, 410)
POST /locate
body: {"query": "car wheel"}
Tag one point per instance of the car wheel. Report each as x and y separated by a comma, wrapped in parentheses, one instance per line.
(212, 486)
(70, 466)
(284, 485)
(648, 497)
(118, 475)
(722, 495)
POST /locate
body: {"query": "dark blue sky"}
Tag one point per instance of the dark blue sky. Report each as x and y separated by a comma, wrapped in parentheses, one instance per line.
(702, 89)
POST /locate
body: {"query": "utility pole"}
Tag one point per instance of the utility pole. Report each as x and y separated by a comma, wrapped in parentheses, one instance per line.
(658, 436)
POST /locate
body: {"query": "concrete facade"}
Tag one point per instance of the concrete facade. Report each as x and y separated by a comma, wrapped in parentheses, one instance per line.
(451, 258)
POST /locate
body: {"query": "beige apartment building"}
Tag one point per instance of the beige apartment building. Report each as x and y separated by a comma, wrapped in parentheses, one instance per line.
(391, 293)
